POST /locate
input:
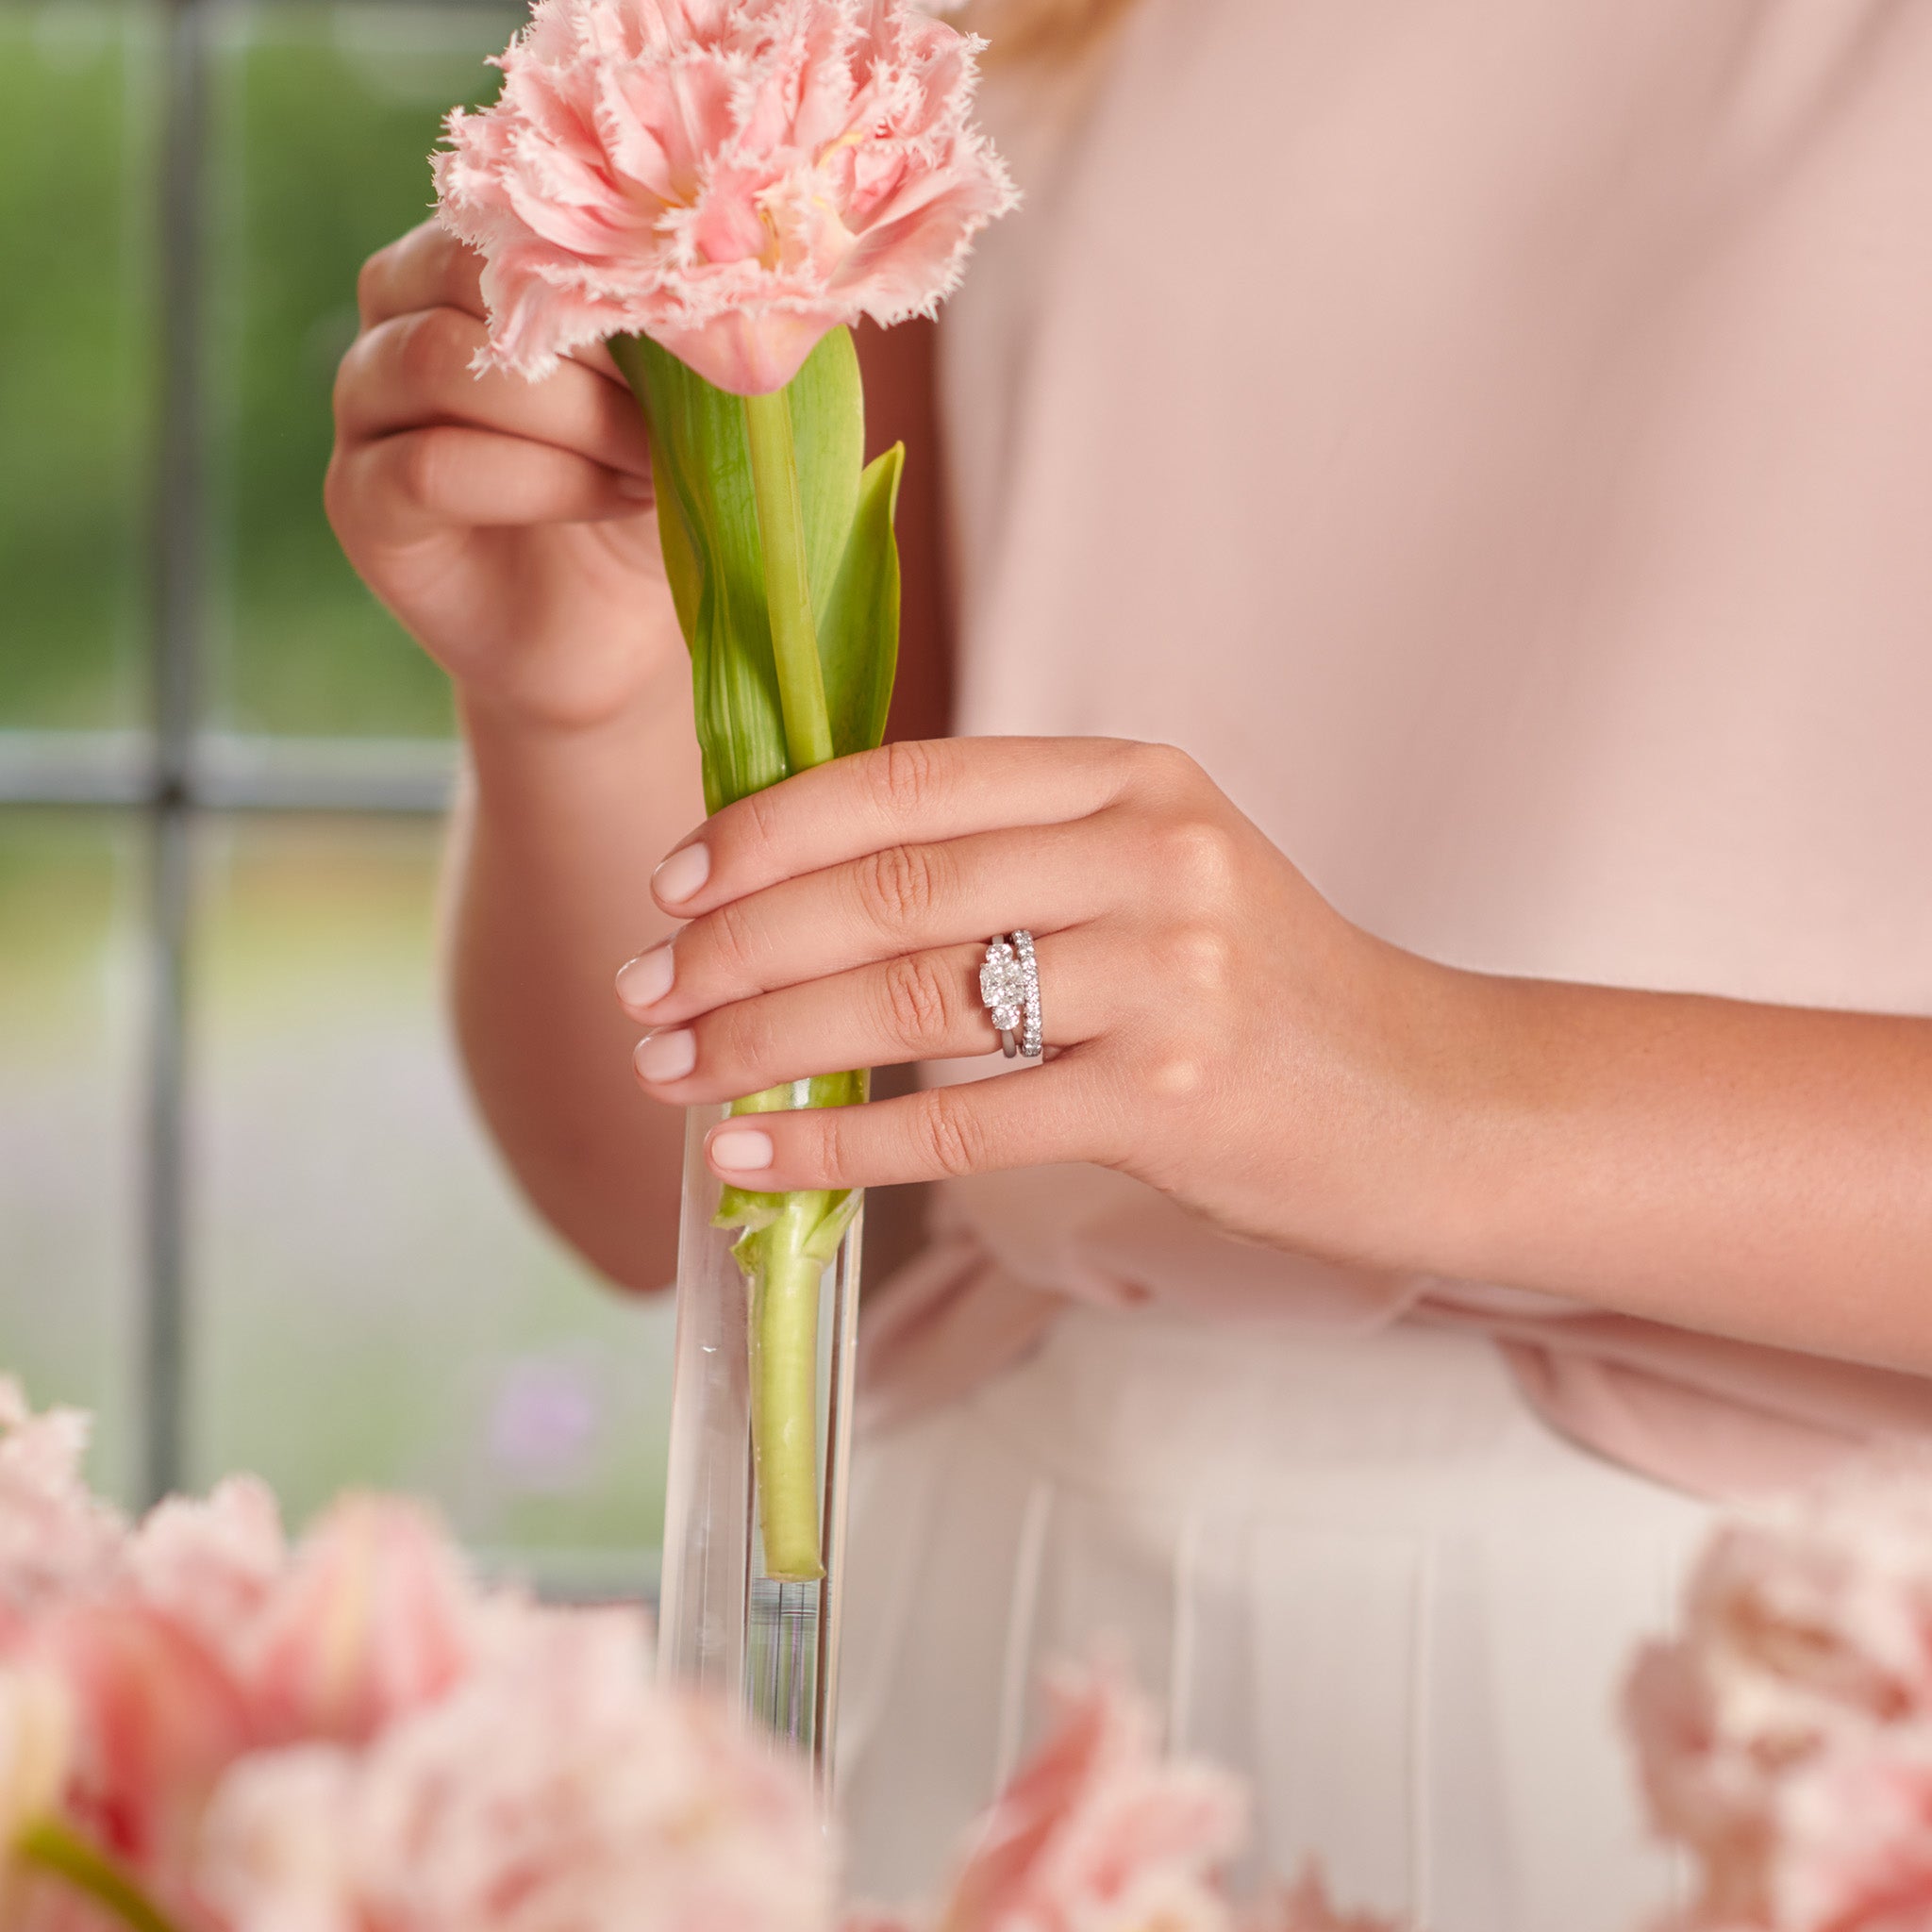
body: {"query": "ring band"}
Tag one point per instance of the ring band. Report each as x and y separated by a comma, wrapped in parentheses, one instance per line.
(1010, 991)
(1031, 1037)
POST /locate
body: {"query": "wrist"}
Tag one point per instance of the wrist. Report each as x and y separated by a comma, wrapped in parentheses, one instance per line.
(1452, 1052)
(510, 742)
(584, 794)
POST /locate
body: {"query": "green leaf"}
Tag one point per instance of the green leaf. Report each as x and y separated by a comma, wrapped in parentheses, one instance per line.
(708, 527)
(859, 624)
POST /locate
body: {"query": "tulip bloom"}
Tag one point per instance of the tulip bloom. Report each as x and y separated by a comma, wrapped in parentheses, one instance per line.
(733, 180)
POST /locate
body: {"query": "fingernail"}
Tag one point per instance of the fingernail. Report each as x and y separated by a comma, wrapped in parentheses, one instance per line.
(742, 1150)
(681, 874)
(668, 1055)
(639, 487)
(645, 980)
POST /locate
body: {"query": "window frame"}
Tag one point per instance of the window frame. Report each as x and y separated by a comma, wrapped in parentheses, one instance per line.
(173, 774)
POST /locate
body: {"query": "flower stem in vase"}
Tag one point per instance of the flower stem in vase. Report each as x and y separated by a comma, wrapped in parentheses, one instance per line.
(778, 546)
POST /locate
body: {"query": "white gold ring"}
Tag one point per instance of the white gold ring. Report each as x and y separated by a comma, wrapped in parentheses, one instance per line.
(1031, 1039)
(1003, 992)
(1010, 991)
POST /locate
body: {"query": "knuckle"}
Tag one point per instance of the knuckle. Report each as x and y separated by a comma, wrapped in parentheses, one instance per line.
(743, 1038)
(371, 277)
(904, 776)
(919, 1005)
(734, 938)
(953, 1140)
(826, 1144)
(1199, 958)
(761, 816)
(898, 887)
(1198, 856)
(1175, 1074)
(1164, 770)
(431, 348)
(422, 466)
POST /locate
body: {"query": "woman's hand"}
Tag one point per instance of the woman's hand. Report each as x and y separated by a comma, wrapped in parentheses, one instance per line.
(507, 524)
(1213, 1026)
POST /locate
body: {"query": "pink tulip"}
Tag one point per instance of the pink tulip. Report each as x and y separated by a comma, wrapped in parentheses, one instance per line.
(56, 1538)
(732, 178)
(36, 1750)
(1796, 1704)
(556, 1790)
(375, 1618)
(1097, 1833)
(212, 1566)
(157, 1721)
(1854, 1854)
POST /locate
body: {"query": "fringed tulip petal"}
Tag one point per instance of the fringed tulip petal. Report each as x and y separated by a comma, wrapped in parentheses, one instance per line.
(730, 179)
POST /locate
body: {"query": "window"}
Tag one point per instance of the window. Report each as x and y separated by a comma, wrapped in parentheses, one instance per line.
(244, 1213)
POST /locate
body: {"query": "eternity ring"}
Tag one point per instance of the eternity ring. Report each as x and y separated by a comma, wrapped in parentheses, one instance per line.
(1010, 991)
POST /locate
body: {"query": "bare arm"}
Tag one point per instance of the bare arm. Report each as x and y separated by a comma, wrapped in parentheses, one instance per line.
(1762, 1171)
(1225, 1035)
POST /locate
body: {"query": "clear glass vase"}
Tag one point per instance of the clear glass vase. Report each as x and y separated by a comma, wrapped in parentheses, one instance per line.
(724, 1622)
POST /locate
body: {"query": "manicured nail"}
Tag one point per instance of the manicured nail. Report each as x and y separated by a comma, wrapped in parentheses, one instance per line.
(742, 1150)
(668, 1055)
(639, 487)
(681, 874)
(645, 980)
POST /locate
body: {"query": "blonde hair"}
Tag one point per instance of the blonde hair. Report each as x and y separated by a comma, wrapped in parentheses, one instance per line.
(1044, 30)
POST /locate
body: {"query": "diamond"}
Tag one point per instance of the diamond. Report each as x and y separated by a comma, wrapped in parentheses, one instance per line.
(1001, 985)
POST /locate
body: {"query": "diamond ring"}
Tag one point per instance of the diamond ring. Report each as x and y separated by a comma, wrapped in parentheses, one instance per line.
(1003, 992)
(1030, 1038)
(1010, 991)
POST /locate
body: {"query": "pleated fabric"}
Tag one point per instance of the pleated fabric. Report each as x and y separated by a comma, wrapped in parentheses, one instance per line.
(1358, 1571)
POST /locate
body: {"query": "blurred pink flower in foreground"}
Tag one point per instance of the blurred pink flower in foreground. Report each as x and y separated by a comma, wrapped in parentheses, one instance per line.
(558, 1789)
(350, 1735)
(731, 178)
(375, 1618)
(54, 1536)
(1098, 1832)
(1786, 1737)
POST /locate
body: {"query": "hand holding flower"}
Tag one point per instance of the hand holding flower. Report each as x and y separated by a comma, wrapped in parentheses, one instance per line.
(1221, 1032)
(507, 524)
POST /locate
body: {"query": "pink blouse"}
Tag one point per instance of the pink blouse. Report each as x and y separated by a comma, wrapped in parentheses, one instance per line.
(1495, 438)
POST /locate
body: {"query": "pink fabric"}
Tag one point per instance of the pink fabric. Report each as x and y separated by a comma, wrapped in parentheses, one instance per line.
(1495, 438)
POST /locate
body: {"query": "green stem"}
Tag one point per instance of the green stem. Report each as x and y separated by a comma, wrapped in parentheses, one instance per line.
(788, 584)
(785, 1287)
(784, 1390)
(50, 1846)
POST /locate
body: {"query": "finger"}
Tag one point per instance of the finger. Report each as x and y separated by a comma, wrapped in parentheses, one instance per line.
(416, 369)
(427, 267)
(433, 479)
(920, 1007)
(937, 789)
(1050, 1113)
(906, 899)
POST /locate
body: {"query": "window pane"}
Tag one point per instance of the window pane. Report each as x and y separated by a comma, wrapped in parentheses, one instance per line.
(323, 120)
(77, 123)
(70, 1025)
(372, 1304)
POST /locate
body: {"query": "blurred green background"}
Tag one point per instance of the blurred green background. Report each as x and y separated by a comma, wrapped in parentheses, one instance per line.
(368, 1301)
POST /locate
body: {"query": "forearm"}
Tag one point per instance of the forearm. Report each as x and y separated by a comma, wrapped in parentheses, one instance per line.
(548, 894)
(1756, 1171)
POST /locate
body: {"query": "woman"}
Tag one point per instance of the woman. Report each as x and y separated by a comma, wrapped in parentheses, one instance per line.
(1493, 1103)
